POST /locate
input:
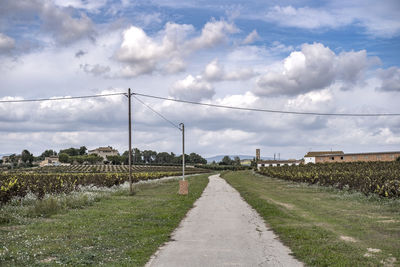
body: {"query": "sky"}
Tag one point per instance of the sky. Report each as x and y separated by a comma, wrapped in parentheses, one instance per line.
(308, 56)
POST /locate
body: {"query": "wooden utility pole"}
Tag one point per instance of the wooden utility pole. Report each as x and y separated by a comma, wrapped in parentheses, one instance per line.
(130, 144)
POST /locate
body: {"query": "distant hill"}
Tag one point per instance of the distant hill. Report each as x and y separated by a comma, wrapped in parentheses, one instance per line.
(219, 157)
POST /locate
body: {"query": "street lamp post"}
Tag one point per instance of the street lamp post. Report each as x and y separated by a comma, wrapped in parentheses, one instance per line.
(183, 185)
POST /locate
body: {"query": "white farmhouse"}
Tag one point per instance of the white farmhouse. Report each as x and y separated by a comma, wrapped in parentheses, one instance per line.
(277, 163)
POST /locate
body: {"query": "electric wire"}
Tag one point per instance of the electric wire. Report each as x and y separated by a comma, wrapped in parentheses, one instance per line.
(59, 98)
(206, 104)
(271, 110)
(159, 114)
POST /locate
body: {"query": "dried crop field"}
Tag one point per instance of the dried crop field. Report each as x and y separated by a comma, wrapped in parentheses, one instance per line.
(382, 178)
(65, 179)
(110, 168)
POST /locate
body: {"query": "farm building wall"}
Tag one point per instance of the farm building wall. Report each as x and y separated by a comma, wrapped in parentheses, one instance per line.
(380, 156)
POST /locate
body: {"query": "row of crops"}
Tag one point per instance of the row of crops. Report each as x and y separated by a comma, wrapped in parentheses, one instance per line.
(382, 178)
(21, 183)
(107, 168)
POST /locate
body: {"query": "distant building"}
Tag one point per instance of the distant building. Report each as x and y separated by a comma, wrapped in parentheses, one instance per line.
(310, 157)
(353, 157)
(245, 162)
(277, 163)
(50, 161)
(104, 152)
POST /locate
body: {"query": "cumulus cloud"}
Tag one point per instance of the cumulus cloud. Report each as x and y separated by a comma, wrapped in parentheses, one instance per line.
(390, 79)
(213, 33)
(314, 67)
(214, 71)
(166, 51)
(65, 24)
(192, 88)
(251, 38)
(6, 43)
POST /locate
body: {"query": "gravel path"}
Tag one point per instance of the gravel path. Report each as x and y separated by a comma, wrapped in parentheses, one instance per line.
(222, 230)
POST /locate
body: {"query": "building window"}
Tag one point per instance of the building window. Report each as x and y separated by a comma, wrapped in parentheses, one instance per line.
(262, 165)
(278, 164)
(332, 158)
(341, 157)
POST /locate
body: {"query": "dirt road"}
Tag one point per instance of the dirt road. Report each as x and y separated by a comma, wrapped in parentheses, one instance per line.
(223, 230)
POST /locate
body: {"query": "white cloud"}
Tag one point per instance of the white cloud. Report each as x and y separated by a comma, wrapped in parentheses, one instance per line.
(6, 43)
(166, 51)
(143, 54)
(305, 17)
(192, 88)
(213, 33)
(314, 67)
(89, 5)
(65, 24)
(390, 79)
(378, 18)
(251, 38)
(216, 72)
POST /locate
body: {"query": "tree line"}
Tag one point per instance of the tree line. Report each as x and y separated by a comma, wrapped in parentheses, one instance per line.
(80, 156)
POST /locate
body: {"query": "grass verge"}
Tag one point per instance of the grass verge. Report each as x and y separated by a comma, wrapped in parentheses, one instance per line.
(119, 229)
(324, 226)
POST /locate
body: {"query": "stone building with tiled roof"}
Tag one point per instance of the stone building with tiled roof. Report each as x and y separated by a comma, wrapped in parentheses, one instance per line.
(104, 152)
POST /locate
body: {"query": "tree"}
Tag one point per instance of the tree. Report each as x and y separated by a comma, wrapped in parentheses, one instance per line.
(116, 160)
(94, 158)
(226, 160)
(82, 150)
(63, 157)
(137, 156)
(163, 158)
(47, 153)
(26, 156)
(196, 159)
(149, 156)
(236, 161)
(70, 151)
(398, 159)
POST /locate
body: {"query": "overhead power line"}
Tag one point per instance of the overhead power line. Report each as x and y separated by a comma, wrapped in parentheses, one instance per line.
(206, 104)
(59, 98)
(159, 114)
(271, 110)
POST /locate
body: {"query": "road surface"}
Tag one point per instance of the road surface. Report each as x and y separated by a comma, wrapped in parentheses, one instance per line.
(222, 230)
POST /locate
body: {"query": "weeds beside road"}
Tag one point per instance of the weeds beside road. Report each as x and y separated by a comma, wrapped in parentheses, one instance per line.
(115, 229)
(325, 226)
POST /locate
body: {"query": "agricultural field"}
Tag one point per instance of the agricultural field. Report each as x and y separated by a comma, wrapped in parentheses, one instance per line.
(325, 226)
(94, 226)
(108, 168)
(69, 178)
(381, 178)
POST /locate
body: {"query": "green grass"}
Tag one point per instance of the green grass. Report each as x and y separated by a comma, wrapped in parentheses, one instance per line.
(324, 226)
(117, 230)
